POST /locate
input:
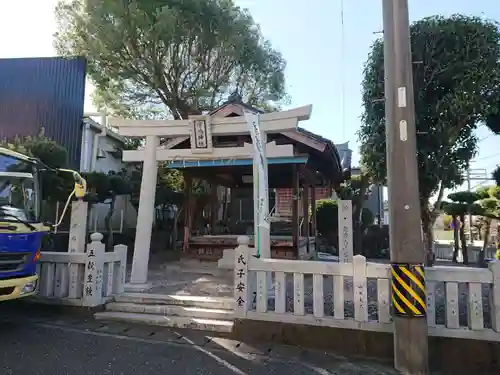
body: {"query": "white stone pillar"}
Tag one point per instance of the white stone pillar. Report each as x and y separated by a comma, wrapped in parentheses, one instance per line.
(92, 281)
(78, 226)
(77, 242)
(140, 260)
(346, 247)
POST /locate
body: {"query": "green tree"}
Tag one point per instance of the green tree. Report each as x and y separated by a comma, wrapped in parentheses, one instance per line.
(357, 189)
(455, 76)
(54, 186)
(105, 188)
(102, 187)
(160, 58)
(169, 191)
(328, 223)
(454, 210)
(481, 222)
(491, 206)
(463, 203)
(132, 143)
(169, 185)
(496, 175)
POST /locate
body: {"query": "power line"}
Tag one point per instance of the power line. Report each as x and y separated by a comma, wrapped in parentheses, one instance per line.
(485, 138)
(479, 184)
(342, 80)
(488, 157)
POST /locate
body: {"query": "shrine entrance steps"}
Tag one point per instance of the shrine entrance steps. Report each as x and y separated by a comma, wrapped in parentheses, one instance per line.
(176, 311)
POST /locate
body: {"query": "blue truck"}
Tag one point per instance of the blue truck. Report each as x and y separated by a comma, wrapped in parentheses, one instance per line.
(21, 228)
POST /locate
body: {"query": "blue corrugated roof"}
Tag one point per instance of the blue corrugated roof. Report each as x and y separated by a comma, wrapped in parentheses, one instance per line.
(47, 93)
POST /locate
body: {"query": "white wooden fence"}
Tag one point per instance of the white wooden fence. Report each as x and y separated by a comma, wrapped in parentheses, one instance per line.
(82, 279)
(461, 302)
(445, 252)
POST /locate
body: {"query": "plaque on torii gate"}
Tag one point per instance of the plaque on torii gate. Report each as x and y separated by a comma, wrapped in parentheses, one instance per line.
(199, 130)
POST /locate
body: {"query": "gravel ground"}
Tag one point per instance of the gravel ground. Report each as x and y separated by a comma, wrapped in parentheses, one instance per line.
(174, 281)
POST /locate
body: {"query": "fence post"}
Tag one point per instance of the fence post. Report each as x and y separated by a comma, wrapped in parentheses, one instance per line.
(76, 244)
(119, 276)
(92, 282)
(242, 294)
(495, 296)
(78, 227)
(346, 248)
(359, 285)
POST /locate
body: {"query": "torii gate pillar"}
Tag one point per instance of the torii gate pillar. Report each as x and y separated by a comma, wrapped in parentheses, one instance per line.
(145, 215)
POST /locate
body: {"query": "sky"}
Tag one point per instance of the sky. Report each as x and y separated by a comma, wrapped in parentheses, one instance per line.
(325, 53)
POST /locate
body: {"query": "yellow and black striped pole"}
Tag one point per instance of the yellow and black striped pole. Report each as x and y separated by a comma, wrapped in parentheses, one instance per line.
(408, 290)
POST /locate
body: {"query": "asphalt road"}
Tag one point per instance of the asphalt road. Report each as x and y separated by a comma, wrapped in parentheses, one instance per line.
(37, 343)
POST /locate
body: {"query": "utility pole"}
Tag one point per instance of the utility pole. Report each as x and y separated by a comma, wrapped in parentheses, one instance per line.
(407, 250)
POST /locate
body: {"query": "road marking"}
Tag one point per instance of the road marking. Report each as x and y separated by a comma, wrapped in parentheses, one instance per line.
(342, 361)
(214, 357)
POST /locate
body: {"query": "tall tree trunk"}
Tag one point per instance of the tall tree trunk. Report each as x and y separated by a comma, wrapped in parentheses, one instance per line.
(456, 240)
(108, 222)
(463, 240)
(175, 226)
(163, 219)
(428, 236)
(358, 238)
(482, 254)
(358, 213)
(486, 234)
(224, 204)
(429, 215)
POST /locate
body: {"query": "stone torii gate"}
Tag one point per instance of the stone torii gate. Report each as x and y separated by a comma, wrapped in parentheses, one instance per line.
(199, 130)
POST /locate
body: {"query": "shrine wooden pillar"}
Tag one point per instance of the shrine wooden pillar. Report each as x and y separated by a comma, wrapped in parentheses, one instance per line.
(305, 213)
(313, 211)
(188, 209)
(295, 208)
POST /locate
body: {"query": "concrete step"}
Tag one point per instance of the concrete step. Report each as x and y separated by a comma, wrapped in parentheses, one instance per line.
(221, 303)
(167, 321)
(170, 310)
